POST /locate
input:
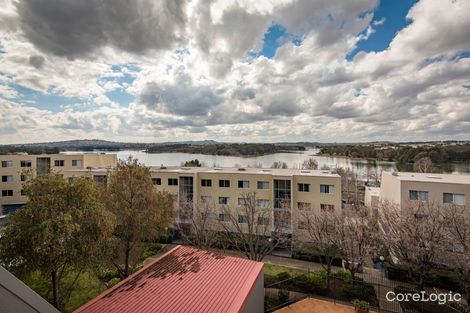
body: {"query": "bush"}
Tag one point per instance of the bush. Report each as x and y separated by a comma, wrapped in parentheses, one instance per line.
(357, 290)
(360, 305)
(105, 275)
(152, 249)
(112, 282)
(311, 283)
(283, 296)
(346, 276)
(309, 254)
(283, 276)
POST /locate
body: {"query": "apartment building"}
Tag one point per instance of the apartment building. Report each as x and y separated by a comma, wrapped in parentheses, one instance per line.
(406, 188)
(15, 169)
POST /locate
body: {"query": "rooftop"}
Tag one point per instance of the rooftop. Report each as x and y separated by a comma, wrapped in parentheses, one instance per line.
(245, 170)
(431, 177)
(184, 279)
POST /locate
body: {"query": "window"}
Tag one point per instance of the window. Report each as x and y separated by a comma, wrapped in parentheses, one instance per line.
(59, 163)
(7, 179)
(301, 225)
(224, 183)
(282, 194)
(263, 185)
(304, 206)
(7, 163)
(100, 180)
(327, 189)
(223, 200)
(76, 162)
(419, 195)
(23, 193)
(327, 207)
(206, 199)
(243, 219)
(172, 181)
(243, 184)
(263, 220)
(23, 177)
(25, 163)
(157, 181)
(224, 217)
(7, 193)
(303, 187)
(454, 198)
(206, 182)
(243, 201)
(262, 203)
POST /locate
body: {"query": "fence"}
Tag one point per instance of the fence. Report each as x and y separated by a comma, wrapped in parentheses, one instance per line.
(341, 289)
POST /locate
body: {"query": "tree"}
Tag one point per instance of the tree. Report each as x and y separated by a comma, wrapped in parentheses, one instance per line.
(279, 164)
(458, 218)
(310, 164)
(197, 223)
(354, 238)
(142, 212)
(192, 163)
(424, 165)
(321, 229)
(349, 185)
(416, 236)
(253, 227)
(63, 228)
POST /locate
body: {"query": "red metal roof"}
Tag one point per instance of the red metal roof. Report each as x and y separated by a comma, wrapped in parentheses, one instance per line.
(184, 279)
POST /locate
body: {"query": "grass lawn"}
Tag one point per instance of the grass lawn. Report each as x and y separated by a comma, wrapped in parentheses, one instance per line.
(274, 270)
(88, 286)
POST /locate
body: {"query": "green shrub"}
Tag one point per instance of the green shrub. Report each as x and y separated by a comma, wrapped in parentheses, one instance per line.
(309, 254)
(361, 291)
(360, 305)
(310, 283)
(346, 276)
(105, 275)
(283, 276)
(152, 249)
(112, 282)
(283, 296)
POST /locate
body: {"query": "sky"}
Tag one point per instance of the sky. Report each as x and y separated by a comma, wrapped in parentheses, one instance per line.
(234, 70)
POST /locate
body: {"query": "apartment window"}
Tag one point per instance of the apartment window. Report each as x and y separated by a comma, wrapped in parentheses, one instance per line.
(59, 163)
(23, 177)
(206, 182)
(263, 220)
(419, 195)
(223, 200)
(243, 184)
(302, 225)
(224, 217)
(454, 198)
(7, 179)
(206, 199)
(243, 219)
(76, 162)
(282, 194)
(172, 181)
(23, 193)
(304, 206)
(243, 201)
(263, 185)
(157, 181)
(7, 163)
(25, 163)
(262, 203)
(330, 189)
(303, 187)
(327, 207)
(7, 193)
(224, 183)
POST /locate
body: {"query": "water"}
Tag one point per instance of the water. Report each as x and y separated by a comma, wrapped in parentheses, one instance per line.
(293, 160)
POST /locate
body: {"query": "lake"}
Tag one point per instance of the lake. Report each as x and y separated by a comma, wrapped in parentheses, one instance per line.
(293, 160)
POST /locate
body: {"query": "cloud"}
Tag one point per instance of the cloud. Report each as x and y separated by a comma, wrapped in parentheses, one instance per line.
(78, 28)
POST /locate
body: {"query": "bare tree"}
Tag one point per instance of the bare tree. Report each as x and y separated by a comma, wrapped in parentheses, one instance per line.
(424, 165)
(354, 238)
(310, 164)
(197, 223)
(458, 218)
(320, 231)
(350, 186)
(253, 227)
(279, 164)
(415, 236)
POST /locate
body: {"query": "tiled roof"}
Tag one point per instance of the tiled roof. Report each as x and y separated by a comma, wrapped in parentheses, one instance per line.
(184, 279)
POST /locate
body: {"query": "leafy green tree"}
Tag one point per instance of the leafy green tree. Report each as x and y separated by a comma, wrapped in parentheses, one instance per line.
(63, 229)
(192, 163)
(142, 212)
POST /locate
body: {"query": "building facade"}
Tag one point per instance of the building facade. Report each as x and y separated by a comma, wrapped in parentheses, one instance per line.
(405, 189)
(16, 169)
